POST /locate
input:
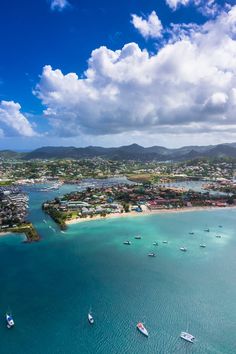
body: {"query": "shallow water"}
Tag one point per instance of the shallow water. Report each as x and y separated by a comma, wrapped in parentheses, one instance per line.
(50, 286)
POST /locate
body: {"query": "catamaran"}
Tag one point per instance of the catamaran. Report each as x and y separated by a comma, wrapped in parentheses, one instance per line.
(10, 321)
(187, 336)
(142, 329)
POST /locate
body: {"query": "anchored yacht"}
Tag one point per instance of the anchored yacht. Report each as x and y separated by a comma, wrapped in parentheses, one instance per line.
(187, 336)
(151, 255)
(127, 243)
(142, 329)
(184, 249)
(10, 321)
(90, 318)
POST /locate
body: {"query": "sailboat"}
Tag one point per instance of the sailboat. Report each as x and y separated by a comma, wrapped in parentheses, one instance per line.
(142, 329)
(90, 317)
(10, 321)
(187, 336)
(202, 245)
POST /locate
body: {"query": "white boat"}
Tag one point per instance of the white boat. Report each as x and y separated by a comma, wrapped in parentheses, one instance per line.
(138, 237)
(90, 318)
(187, 336)
(164, 241)
(127, 243)
(202, 245)
(184, 249)
(207, 230)
(10, 321)
(151, 255)
(142, 329)
(155, 243)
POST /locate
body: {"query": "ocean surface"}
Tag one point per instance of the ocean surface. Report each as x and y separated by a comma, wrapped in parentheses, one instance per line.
(50, 286)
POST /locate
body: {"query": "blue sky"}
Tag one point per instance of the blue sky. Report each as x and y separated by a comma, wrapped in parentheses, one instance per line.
(125, 96)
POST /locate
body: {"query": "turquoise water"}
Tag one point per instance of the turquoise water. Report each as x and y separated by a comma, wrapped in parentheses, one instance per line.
(50, 286)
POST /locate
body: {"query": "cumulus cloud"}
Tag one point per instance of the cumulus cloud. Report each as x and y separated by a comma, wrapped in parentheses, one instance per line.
(189, 86)
(173, 4)
(13, 122)
(59, 5)
(150, 27)
(209, 8)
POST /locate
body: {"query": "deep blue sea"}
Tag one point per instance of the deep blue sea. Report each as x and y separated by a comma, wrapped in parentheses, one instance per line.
(50, 286)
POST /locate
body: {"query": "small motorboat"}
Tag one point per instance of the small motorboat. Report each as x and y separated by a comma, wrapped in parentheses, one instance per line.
(164, 241)
(137, 237)
(218, 236)
(202, 245)
(151, 254)
(207, 230)
(142, 329)
(183, 249)
(191, 233)
(155, 243)
(220, 226)
(187, 336)
(90, 318)
(127, 243)
(10, 321)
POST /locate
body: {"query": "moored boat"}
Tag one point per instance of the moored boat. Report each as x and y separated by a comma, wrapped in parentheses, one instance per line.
(127, 243)
(142, 329)
(207, 230)
(164, 241)
(151, 254)
(137, 237)
(10, 321)
(202, 245)
(187, 336)
(218, 236)
(183, 249)
(90, 318)
(155, 243)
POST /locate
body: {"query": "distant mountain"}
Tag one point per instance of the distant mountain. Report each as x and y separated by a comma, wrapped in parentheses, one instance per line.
(134, 152)
(9, 154)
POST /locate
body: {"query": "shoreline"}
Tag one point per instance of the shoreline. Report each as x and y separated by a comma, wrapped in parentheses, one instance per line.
(145, 213)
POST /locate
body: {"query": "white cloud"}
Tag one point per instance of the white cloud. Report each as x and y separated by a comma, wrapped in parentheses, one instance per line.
(173, 4)
(13, 122)
(209, 8)
(59, 5)
(150, 27)
(187, 87)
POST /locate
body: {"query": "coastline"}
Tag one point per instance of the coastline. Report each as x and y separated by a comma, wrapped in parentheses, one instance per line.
(5, 233)
(145, 213)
